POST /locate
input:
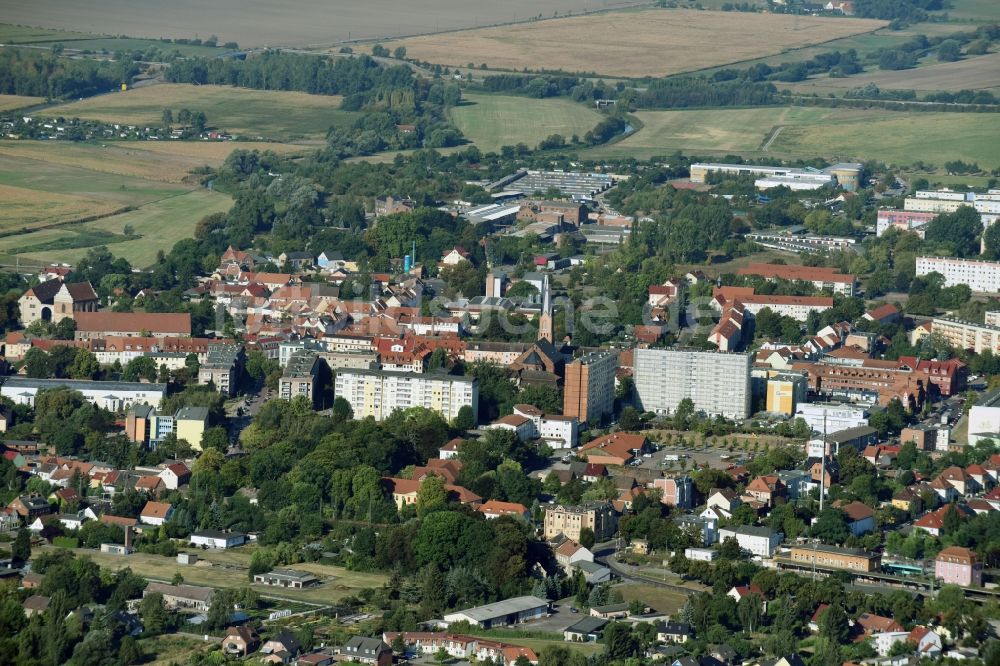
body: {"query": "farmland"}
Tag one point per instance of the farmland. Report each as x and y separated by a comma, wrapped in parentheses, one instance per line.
(258, 23)
(155, 226)
(168, 161)
(894, 137)
(257, 113)
(70, 39)
(8, 102)
(492, 121)
(979, 73)
(658, 42)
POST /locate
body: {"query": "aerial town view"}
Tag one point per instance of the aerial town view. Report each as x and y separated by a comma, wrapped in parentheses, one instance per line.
(519, 333)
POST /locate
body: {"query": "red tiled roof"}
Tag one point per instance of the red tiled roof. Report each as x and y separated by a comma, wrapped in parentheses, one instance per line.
(177, 323)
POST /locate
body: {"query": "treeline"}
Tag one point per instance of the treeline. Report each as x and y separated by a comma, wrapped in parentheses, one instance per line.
(908, 11)
(408, 111)
(40, 74)
(700, 91)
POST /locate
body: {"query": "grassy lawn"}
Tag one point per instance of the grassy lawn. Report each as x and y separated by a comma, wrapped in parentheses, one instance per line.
(660, 598)
(256, 113)
(974, 10)
(229, 570)
(898, 137)
(538, 644)
(170, 649)
(8, 102)
(157, 226)
(492, 121)
(840, 134)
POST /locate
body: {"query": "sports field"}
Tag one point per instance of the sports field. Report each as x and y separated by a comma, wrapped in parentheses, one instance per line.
(492, 121)
(258, 23)
(8, 102)
(633, 43)
(267, 114)
(978, 73)
(839, 134)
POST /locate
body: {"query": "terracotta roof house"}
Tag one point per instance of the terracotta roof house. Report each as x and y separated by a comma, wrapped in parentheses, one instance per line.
(766, 488)
(496, 509)
(860, 517)
(156, 513)
(876, 624)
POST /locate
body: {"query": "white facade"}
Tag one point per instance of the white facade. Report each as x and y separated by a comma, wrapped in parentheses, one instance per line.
(218, 540)
(717, 383)
(981, 276)
(759, 541)
(560, 431)
(838, 416)
(796, 307)
(796, 181)
(113, 396)
(378, 393)
(700, 554)
(984, 423)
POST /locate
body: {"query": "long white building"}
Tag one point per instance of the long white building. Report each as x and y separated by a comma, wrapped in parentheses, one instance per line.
(717, 383)
(981, 276)
(113, 396)
(378, 393)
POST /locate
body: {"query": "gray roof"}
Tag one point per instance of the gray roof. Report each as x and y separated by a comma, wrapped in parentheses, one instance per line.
(300, 364)
(361, 645)
(82, 385)
(848, 434)
(750, 530)
(203, 594)
(291, 574)
(501, 608)
(192, 413)
(588, 625)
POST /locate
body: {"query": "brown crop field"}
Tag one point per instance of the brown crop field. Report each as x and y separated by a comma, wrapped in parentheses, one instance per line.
(303, 22)
(256, 113)
(25, 208)
(8, 102)
(979, 73)
(653, 42)
(169, 161)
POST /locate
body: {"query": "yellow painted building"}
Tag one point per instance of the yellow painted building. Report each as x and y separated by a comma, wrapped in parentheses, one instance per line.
(784, 393)
(190, 424)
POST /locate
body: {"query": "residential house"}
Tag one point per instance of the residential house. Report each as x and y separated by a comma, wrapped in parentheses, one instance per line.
(283, 644)
(240, 641)
(569, 553)
(175, 475)
(569, 521)
(724, 500)
(36, 604)
(766, 489)
(496, 509)
(673, 632)
(676, 491)
(368, 651)
(959, 566)
(860, 518)
(30, 507)
(925, 641)
(739, 592)
(933, 521)
(156, 513)
(760, 541)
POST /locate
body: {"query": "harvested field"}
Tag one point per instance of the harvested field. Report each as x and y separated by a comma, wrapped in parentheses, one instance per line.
(25, 208)
(263, 23)
(155, 226)
(8, 102)
(634, 43)
(97, 43)
(492, 121)
(979, 73)
(170, 161)
(256, 113)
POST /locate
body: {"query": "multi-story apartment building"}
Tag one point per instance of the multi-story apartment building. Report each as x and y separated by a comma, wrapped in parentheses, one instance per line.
(982, 276)
(589, 387)
(904, 220)
(878, 381)
(378, 393)
(818, 277)
(785, 391)
(677, 490)
(796, 307)
(223, 367)
(112, 396)
(958, 566)
(569, 520)
(760, 541)
(716, 382)
(306, 374)
(967, 335)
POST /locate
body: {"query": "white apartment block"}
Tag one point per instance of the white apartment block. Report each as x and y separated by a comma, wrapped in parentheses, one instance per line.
(796, 307)
(717, 383)
(967, 334)
(838, 416)
(558, 430)
(760, 541)
(981, 276)
(904, 220)
(378, 393)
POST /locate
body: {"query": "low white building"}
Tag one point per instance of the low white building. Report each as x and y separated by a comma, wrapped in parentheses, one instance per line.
(217, 539)
(555, 429)
(112, 396)
(837, 416)
(760, 541)
(700, 554)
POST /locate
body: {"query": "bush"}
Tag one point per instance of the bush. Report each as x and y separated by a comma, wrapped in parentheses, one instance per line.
(66, 542)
